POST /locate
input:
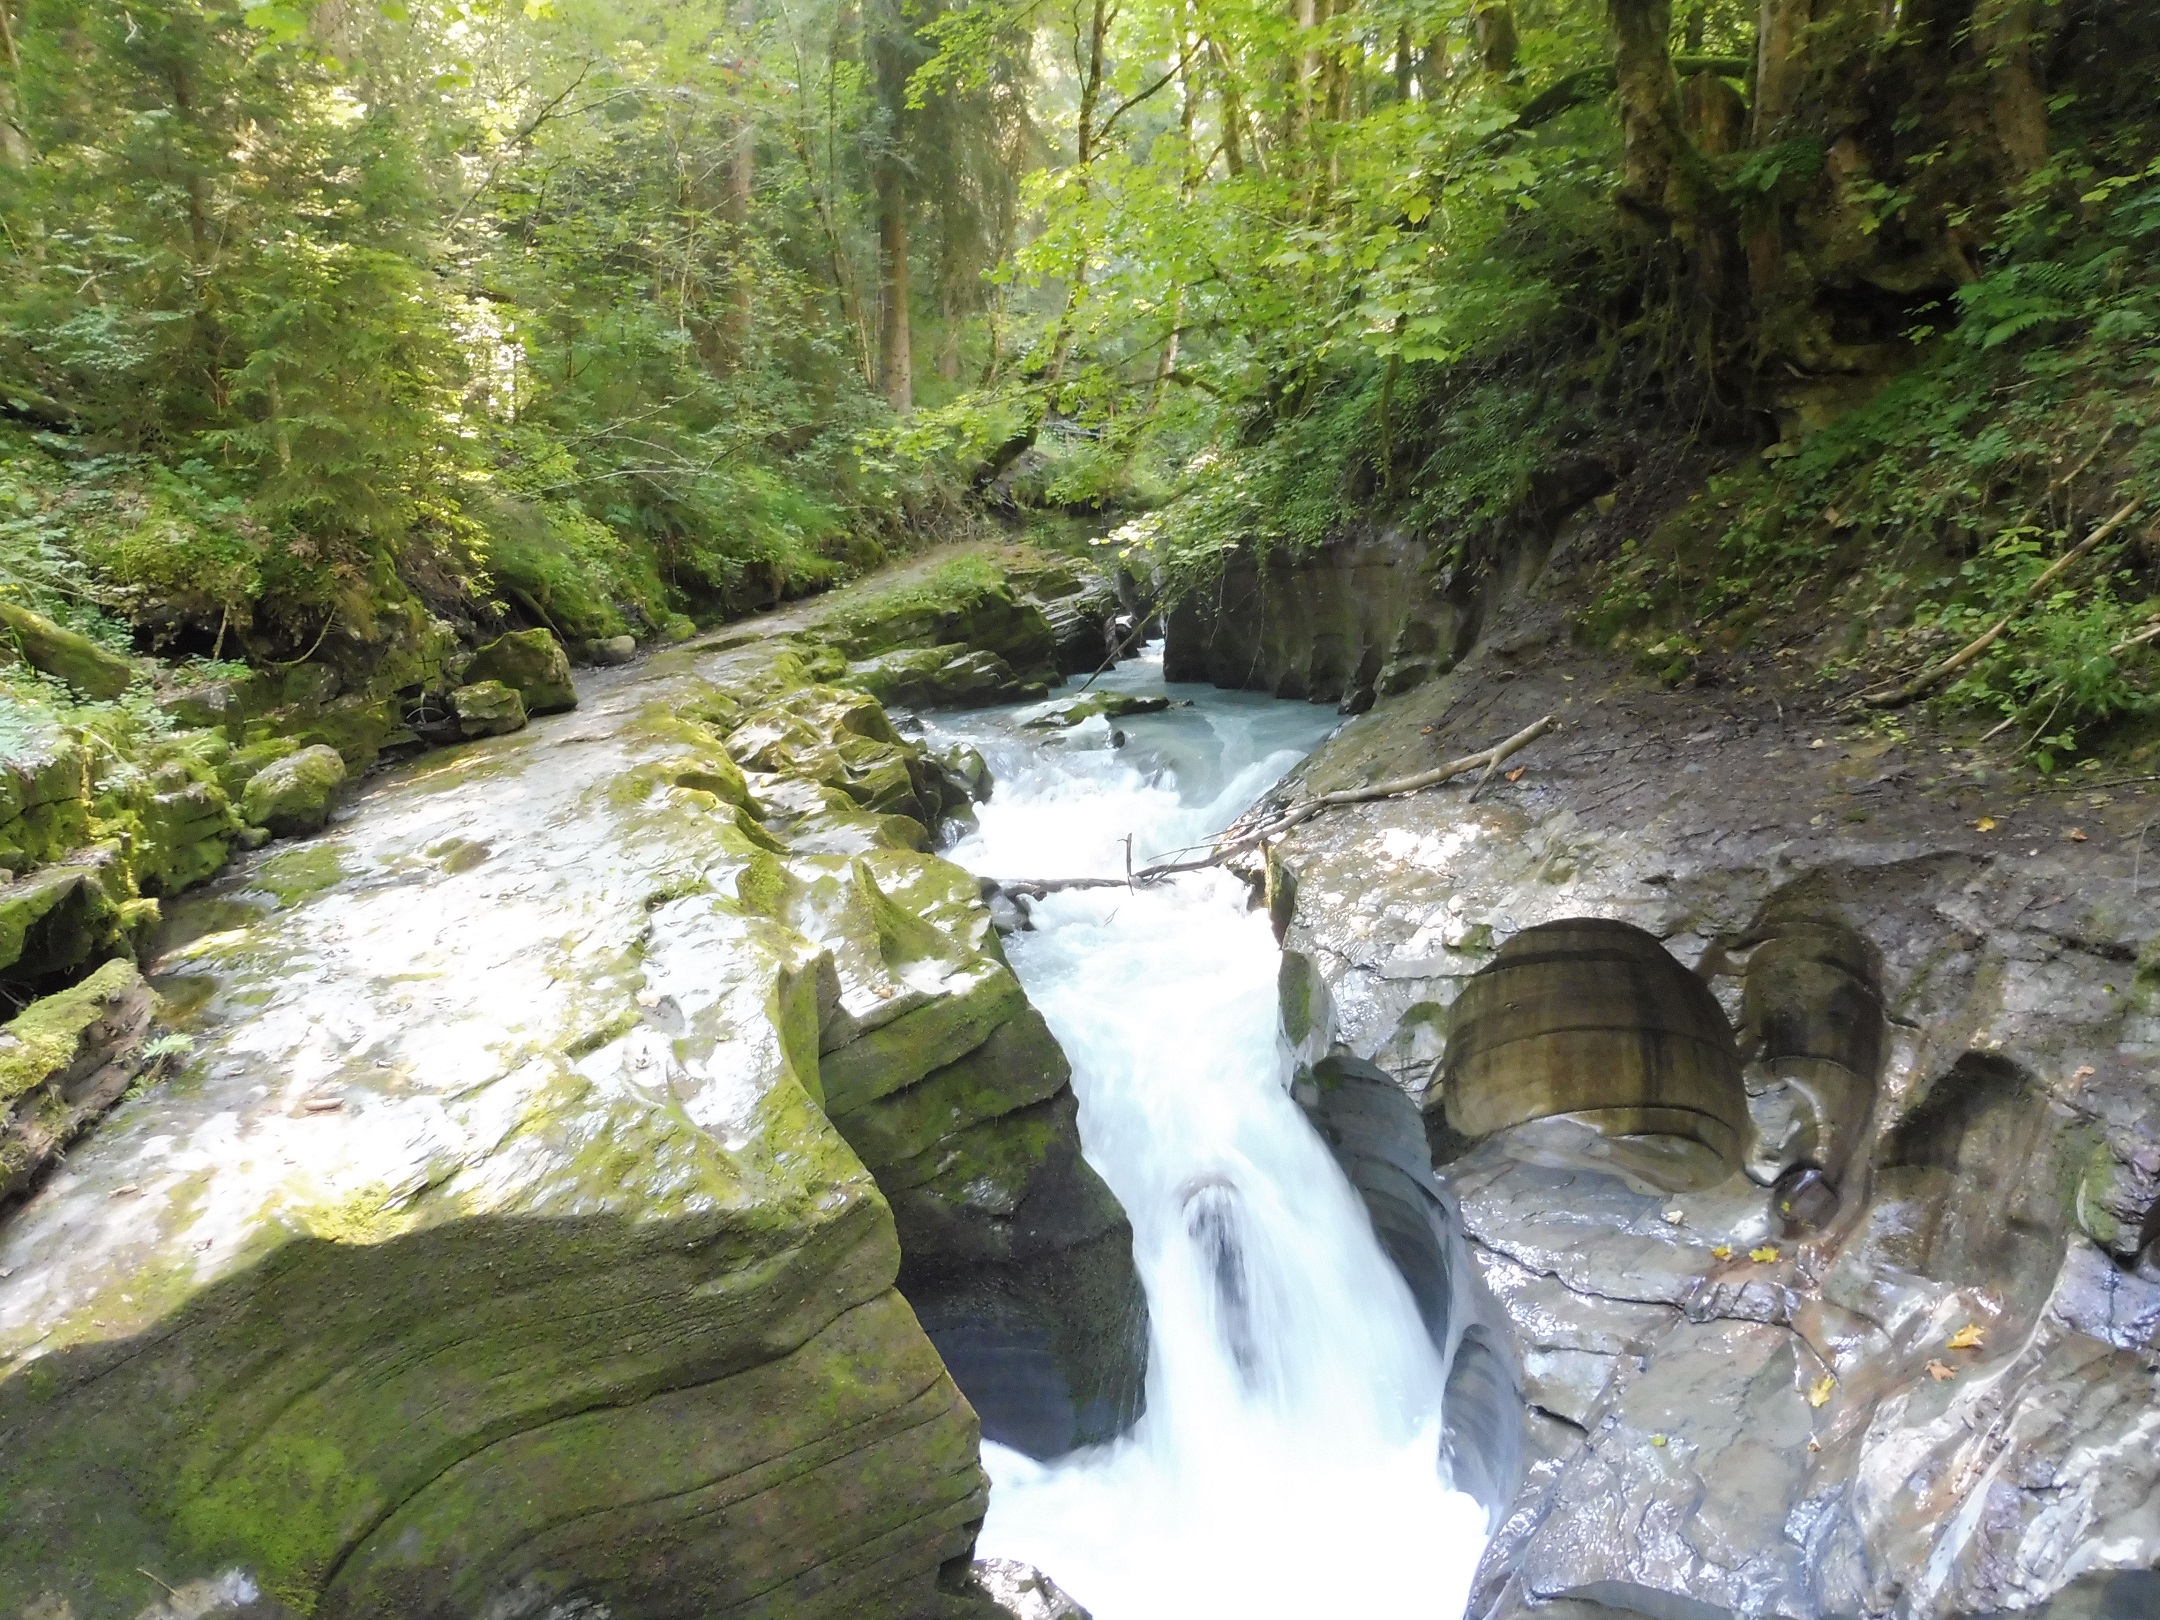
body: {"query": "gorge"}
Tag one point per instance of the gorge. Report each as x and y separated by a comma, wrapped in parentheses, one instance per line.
(959, 810)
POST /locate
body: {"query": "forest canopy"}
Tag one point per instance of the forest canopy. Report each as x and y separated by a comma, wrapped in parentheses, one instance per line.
(599, 315)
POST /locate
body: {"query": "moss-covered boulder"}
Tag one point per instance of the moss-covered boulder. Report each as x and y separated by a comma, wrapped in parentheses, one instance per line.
(968, 603)
(64, 1060)
(530, 662)
(63, 654)
(1072, 711)
(44, 787)
(69, 915)
(293, 796)
(842, 742)
(185, 829)
(955, 677)
(488, 709)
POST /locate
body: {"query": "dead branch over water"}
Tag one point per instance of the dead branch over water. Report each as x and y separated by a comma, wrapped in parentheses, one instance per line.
(1251, 830)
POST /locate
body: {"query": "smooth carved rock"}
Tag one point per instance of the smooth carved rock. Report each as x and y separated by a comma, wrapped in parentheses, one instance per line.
(1378, 1137)
(1016, 1257)
(293, 797)
(1022, 1591)
(1594, 1018)
(533, 663)
(493, 1255)
(1813, 1018)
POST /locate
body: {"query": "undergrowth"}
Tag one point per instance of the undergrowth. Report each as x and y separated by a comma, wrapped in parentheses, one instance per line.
(1927, 515)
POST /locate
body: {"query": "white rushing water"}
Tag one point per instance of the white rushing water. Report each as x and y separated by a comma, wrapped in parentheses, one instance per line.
(1287, 1464)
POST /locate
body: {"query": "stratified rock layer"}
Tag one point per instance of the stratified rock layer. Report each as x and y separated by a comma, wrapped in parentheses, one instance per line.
(495, 1250)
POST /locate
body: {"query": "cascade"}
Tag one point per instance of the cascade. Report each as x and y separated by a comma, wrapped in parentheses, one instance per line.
(1288, 1462)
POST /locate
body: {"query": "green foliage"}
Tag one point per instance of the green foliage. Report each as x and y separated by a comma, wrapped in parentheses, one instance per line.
(1944, 498)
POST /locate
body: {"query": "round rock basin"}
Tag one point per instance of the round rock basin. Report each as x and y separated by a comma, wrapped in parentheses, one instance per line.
(1594, 1018)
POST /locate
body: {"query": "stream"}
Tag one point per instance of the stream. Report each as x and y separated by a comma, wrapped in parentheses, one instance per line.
(1286, 1462)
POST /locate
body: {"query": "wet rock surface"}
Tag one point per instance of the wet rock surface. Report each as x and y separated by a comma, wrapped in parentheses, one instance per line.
(1902, 1361)
(501, 1245)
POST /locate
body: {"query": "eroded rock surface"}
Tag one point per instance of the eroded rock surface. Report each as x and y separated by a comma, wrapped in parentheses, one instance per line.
(497, 1249)
(1907, 1363)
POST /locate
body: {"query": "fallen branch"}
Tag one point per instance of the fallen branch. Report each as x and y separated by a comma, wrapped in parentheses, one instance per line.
(1236, 842)
(1935, 674)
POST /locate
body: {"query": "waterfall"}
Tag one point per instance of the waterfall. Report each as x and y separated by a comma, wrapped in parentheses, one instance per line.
(1288, 1463)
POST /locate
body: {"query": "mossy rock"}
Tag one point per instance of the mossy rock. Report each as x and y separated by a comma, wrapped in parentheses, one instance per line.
(61, 917)
(1019, 1065)
(44, 787)
(533, 664)
(63, 654)
(185, 835)
(1072, 711)
(358, 727)
(64, 1060)
(488, 709)
(240, 766)
(293, 797)
(966, 604)
(955, 677)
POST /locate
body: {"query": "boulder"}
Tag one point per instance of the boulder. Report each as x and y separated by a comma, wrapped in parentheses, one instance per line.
(64, 1060)
(1021, 1591)
(293, 796)
(968, 604)
(610, 650)
(64, 916)
(62, 654)
(44, 788)
(953, 677)
(488, 709)
(1072, 711)
(185, 833)
(533, 664)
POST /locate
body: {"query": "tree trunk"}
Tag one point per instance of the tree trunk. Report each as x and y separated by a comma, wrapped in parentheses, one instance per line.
(896, 364)
(1655, 156)
(741, 180)
(1492, 25)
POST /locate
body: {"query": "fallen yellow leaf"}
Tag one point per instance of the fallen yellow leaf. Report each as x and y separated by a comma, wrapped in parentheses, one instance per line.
(1941, 1374)
(1516, 775)
(1722, 1252)
(1657, 1439)
(1763, 1255)
(1819, 1395)
(1969, 1337)
(2076, 835)
(2085, 1071)
(1984, 824)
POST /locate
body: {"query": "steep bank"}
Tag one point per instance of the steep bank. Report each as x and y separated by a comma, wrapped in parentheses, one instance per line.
(1742, 1407)
(507, 1238)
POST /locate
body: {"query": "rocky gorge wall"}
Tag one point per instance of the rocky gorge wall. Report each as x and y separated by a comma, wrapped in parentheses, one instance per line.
(1890, 1348)
(521, 1233)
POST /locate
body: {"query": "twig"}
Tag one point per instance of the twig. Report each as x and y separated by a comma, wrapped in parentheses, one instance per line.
(1935, 674)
